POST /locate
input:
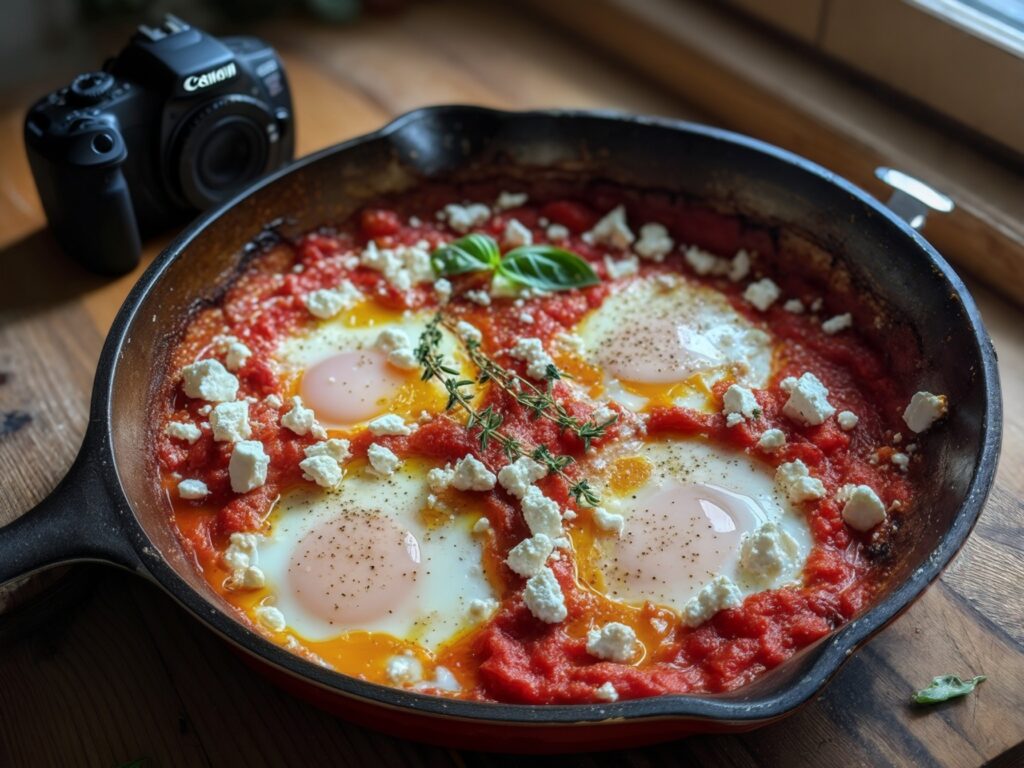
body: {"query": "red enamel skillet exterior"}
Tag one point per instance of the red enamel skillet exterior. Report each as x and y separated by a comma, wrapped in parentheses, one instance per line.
(109, 507)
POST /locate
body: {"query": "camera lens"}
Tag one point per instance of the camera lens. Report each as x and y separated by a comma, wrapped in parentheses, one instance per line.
(224, 145)
(233, 153)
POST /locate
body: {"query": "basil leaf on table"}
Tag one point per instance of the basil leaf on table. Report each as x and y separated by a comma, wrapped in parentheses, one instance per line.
(547, 268)
(945, 688)
(472, 253)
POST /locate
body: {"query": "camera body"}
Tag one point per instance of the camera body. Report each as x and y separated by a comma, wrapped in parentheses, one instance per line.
(177, 122)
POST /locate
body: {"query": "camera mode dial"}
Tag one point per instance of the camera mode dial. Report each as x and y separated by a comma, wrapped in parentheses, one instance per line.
(90, 88)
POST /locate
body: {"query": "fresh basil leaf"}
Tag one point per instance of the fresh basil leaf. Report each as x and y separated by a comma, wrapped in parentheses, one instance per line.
(547, 268)
(472, 253)
(945, 688)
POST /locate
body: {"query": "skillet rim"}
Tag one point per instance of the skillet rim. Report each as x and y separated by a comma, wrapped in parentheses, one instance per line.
(831, 652)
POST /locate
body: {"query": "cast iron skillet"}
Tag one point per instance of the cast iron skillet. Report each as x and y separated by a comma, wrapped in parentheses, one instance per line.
(108, 508)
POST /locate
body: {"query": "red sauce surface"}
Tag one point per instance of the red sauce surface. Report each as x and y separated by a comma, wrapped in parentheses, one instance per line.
(515, 657)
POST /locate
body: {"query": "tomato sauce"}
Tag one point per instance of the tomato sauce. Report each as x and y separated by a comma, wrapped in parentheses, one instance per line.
(515, 657)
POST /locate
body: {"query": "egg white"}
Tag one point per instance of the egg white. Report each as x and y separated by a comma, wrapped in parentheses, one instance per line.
(359, 329)
(451, 577)
(713, 342)
(737, 483)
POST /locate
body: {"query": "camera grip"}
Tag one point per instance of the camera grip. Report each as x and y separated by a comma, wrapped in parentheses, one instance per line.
(97, 225)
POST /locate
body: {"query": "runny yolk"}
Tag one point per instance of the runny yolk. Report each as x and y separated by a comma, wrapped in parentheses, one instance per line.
(678, 535)
(666, 393)
(664, 353)
(350, 386)
(355, 569)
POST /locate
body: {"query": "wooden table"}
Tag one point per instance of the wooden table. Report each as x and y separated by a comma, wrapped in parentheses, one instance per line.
(122, 673)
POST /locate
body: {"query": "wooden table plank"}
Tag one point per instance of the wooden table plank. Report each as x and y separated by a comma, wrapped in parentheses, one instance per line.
(126, 674)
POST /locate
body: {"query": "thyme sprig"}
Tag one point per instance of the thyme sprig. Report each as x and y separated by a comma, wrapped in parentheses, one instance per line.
(540, 403)
(487, 422)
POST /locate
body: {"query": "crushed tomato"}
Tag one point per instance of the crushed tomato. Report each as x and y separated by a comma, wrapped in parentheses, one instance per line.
(515, 657)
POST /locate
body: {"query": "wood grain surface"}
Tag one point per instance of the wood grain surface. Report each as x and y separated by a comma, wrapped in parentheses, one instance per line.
(117, 672)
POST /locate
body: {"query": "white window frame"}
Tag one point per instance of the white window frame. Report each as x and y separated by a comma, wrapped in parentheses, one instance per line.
(946, 54)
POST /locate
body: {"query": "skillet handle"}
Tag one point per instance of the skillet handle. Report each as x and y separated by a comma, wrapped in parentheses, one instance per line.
(77, 521)
(911, 199)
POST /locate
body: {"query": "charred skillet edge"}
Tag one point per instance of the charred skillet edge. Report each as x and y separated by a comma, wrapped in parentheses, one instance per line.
(830, 653)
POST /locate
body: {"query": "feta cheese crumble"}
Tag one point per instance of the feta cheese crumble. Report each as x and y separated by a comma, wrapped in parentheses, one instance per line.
(443, 289)
(480, 297)
(439, 479)
(471, 474)
(183, 431)
(739, 268)
(543, 597)
(654, 243)
(556, 233)
(621, 267)
(402, 266)
(301, 420)
(242, 559)
(248, 465)
(230, 422)
(382, 459)
(794, 306)
(739, 404)
(772, 440)
(838, 323)
(271, 618)
(482, 525)
(209, 380)
(336, 448)
(404, 670)
(532, 352)
(606, 692)
(808, 401)
(847, 420)
(482, 608)
(863, 509)
(762, 294)
(612, 642)
(541, 513)
(520, 475)
(325, 303)
(322, 470)
(389, 424)
(192, 489)
(768, 552)
(608, 521)
(395, 343)
(235, 352)
(612, 230)
(516, 234)
(508, 200)
(468, 332)
(528, 556)
(463, 218)
(797, 483)
(924, 410)
(702, 262)
(901, 461)
(716, 595)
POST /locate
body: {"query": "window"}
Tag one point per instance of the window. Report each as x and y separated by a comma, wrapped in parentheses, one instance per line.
(963, 58)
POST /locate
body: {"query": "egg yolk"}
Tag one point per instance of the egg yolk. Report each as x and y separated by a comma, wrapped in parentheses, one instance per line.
(677, 536)
(355, 569)
(662, 352)
(350, 387)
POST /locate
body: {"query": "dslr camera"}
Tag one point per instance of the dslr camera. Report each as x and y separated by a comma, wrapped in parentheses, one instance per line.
(177, 122)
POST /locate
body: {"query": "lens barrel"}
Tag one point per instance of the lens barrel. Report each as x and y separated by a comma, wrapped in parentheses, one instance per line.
(223, 145)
